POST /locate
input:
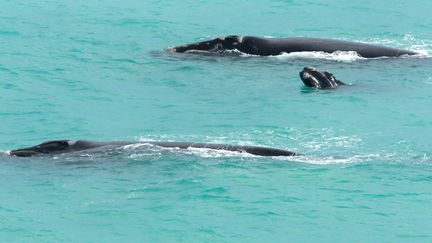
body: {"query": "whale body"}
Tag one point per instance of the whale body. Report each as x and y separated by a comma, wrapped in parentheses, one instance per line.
(275, 46)
(67, 146)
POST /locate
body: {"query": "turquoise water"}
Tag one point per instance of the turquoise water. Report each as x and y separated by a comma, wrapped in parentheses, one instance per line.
(97, 70)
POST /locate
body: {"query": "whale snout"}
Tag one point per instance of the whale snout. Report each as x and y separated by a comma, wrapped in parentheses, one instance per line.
(205, 46)
(313, 77)
(23, 153)
(56, 146)
(219, 44)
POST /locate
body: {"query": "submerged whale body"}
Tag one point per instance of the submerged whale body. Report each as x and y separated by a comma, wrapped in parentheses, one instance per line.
(275, 46)
(313, 77)
(67, 146)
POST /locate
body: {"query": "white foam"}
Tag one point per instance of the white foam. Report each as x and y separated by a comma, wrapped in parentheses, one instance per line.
(408, 42)
(328, 141)
(328, 160)
(200, 152)
(213, 153)
(342, 56)
(136, 145)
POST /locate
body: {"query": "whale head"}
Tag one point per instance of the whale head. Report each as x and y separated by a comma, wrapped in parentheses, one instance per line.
(312, 77)
(57, 146)
(216, 45)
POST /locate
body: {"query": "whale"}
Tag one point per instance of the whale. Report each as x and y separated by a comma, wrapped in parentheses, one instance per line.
(315, 78)
(68, 146)
(263, 46)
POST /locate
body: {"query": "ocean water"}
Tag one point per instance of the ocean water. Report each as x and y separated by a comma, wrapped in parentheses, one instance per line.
(98, 70)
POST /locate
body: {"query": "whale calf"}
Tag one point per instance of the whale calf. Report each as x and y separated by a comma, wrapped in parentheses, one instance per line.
(275, 46)
(67, 146)
(313, 77)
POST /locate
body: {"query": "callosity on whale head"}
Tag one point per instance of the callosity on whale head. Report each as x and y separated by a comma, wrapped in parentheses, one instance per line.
(216, 45)
(56, 146)
(312, 77)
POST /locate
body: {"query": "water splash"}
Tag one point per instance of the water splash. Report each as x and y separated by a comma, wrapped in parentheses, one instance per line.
(340, 56)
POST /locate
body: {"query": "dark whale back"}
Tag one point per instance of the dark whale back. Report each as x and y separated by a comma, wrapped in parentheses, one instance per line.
(276, 46)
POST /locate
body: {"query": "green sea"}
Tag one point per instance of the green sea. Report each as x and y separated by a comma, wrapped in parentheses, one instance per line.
(99, 70)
